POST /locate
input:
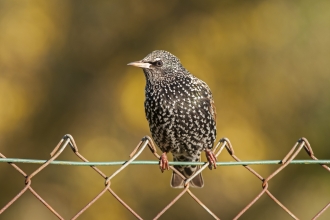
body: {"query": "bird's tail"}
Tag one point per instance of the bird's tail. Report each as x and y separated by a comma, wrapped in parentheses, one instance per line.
(187, 171)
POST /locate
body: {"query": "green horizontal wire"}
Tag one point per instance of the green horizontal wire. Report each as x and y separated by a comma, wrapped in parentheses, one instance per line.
(155, 162)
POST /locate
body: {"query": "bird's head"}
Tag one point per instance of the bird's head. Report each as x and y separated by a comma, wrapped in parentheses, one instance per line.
(160, 65)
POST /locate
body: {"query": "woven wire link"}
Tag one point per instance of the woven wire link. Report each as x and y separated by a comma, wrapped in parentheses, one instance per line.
(147, 142)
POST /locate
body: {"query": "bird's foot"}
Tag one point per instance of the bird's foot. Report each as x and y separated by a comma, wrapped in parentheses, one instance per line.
(211, 159)
(163, 162)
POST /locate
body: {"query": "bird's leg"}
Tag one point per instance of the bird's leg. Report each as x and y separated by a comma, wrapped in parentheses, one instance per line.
(211, 159)
(163, 162)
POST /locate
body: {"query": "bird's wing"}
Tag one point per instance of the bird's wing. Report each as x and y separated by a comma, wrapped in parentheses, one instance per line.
(213, 110)
(207, 94)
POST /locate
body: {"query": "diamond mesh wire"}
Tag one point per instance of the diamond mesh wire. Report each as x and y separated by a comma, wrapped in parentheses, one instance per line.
(146, 142)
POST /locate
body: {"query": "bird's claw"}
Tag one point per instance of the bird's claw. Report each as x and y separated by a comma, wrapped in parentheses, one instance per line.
(163, 162)
(211, 159)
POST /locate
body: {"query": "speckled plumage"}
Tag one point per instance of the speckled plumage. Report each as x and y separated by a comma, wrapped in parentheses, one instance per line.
(180, 110)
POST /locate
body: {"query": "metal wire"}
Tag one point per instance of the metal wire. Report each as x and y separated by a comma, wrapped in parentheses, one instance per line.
(224, 143)
(155, 162)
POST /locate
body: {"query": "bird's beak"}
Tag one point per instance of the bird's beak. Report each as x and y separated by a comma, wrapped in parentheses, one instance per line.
(140, 64)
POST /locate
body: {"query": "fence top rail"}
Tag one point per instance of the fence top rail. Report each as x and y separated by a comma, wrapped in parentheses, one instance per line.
(155, 162)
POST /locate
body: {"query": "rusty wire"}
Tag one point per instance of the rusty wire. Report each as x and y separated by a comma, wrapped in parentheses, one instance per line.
(224, 143)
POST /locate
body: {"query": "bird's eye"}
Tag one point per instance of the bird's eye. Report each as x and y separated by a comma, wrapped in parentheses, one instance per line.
(158, 63)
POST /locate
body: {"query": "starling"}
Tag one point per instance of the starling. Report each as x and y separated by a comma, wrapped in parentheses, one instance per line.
(181, 114)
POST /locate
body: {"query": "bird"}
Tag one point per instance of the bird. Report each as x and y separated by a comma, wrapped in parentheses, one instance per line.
(181, 113)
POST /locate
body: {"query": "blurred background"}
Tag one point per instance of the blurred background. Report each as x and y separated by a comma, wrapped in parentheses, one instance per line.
(63, 70)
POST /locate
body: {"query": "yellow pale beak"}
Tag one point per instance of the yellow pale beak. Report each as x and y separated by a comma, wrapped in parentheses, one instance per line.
(140, 64)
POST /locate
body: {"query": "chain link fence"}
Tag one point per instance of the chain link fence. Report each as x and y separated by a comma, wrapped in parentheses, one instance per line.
(146, 142)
